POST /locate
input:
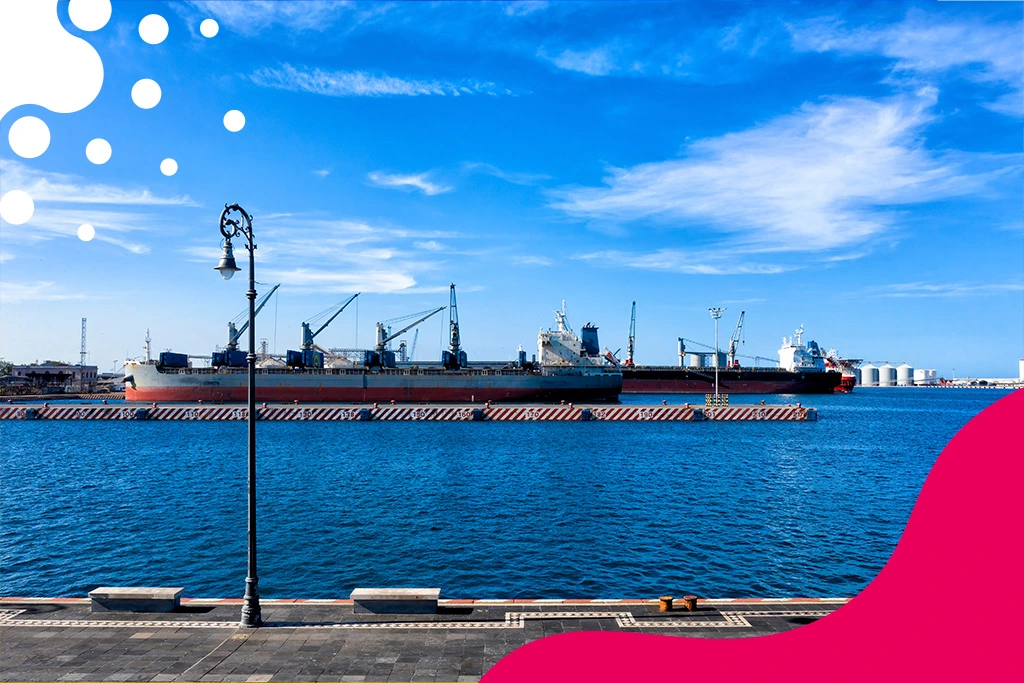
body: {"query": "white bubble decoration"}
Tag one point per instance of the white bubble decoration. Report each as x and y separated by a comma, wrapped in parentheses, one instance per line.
(146, 93)
(98, 151)
(234, 120)
(153, 29)
(29, 137)
(89, 15)
(168, 167)
(209, 28)
(16, 207)
(86, 232)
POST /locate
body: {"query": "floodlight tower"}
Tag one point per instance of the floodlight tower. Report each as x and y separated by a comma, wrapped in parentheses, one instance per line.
(716, 313)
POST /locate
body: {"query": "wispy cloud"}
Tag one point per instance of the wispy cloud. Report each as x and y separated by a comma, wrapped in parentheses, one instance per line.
(415, 181)
(532, 260)
(15, 292)
(255, 16)
(687, 262)
(6, 256)
(364, 84)
(927, 45)
(323, 173)
(43, 187)
(512, 177)
(429, 245)
(378, 281)
(594, 62)
(957, 289)
(823, 177)
(522, 8)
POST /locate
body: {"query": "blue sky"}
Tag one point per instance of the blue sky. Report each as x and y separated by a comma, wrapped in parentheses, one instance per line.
(855, 168)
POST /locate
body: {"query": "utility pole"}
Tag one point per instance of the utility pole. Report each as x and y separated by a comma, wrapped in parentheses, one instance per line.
(81, 362)
(716, 313)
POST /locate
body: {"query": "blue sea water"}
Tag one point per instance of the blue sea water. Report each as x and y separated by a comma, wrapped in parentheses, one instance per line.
(510, 510)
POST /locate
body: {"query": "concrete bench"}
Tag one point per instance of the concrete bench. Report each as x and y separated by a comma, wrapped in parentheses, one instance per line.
(115, 599)
(395, 600)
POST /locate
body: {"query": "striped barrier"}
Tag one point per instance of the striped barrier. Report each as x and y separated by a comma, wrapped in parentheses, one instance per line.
(394, 413)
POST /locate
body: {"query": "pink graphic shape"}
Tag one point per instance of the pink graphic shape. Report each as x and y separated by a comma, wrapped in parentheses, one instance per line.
(947, 605)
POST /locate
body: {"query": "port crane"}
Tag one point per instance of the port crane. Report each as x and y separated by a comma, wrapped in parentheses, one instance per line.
(308, 335)
(235, 333)
(632, 337)
(380, 356)
(454, 358)
(733, 341)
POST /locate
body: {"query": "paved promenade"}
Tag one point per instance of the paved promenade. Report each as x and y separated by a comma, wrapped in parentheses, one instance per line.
(61, 640)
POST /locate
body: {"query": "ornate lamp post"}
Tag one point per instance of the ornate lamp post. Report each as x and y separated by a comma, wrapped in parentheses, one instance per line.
(231, 227)
(716, 313)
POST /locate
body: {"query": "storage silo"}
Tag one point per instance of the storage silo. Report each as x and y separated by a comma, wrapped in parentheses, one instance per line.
(887, 375)
(857, 377)
(923, 378)
(905, 375)
(869, 375)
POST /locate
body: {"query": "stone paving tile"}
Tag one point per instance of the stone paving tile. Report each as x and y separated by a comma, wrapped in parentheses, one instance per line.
(69, 650)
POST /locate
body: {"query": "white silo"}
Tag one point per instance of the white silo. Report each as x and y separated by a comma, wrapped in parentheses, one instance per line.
(923, 378)
(905, 376)
(887, 375)
(869, 375)
(857, 377)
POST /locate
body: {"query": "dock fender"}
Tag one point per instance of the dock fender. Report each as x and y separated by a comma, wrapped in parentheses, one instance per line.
(478, 415)
(585, 415)
(365, 415)
(698, 415)
(812, 415)
(32, 414)
(141, 414)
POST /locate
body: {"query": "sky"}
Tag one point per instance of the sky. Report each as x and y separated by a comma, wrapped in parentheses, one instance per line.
(853, 168)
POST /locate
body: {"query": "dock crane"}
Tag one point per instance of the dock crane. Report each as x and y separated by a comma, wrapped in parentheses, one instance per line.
(380, 356)
(308, 335)
(632, 337)
(733, 341)
(235, 333)
(454, 358)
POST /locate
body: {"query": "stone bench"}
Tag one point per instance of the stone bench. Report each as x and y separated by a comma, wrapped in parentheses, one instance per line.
(395, 600)
(115, 599)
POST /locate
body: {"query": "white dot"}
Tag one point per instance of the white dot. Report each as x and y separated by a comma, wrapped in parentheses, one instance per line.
(234, 120)
(209, 28)
(86, 232)
(16, 207)
(98, 151)
(89, 15)
(146, 93)
(153, 29)
(168, 166)
(29, 137)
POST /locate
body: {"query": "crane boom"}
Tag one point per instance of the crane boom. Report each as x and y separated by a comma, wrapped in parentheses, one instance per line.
(632, 337)
(383, 337)
(307, 335)
(234, 334)
(454, 358)
(735, 339)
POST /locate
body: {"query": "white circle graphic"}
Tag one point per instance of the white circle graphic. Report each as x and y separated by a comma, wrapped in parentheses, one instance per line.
(89, 15)
(234, 120)
(86, 232)
(153, 29)
(168, 166)
(209, 28)
(146, 93)
(98, 151)
(16, 207)
(29, 137)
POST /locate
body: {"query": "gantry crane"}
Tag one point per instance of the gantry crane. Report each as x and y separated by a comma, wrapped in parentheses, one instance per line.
(308, 335)
(235, 333)
(734, 340)
(380, 356)
(632, 337)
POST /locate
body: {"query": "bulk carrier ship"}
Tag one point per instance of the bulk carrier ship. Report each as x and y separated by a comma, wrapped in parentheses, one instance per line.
(567, 368)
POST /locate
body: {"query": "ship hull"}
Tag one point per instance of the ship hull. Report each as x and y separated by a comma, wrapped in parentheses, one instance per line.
(356, 386)
(671, 380)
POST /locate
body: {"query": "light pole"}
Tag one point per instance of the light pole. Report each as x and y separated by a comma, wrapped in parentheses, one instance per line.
(232, 227)
(716, 313)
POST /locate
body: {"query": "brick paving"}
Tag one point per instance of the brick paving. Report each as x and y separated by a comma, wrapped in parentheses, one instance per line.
(302, 641)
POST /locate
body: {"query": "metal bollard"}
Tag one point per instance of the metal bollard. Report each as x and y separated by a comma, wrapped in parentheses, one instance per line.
(665, 603)
(690, 602)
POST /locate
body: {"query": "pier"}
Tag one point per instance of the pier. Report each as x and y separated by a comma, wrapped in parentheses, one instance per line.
(406, 412)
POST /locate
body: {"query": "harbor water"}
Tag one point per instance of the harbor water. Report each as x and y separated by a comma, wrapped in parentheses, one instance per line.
(502, 510)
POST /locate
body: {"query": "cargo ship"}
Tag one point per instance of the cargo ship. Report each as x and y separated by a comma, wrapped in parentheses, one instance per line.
(802, 370)
(567, 368)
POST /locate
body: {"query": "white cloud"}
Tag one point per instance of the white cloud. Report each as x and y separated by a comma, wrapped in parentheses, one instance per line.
(398, 181)
(925, 289)
(14, 292)
(980, 52)
(522, 8)
(512, 177)
(532, 260)
(687, 262)
(362, 84)
(594, 62)
(6, 256)
(378, 281)
(823, 177)
(323, 173)
(429, 245)
(58, 187)
(254, 16)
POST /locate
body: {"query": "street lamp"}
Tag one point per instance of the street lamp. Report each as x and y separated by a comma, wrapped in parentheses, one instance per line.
(232, 227)
(716, 313)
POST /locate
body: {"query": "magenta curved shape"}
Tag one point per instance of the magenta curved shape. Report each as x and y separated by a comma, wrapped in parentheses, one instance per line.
(946, 606)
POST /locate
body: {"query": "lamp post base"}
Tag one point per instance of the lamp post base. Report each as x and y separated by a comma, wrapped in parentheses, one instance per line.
(251, 613)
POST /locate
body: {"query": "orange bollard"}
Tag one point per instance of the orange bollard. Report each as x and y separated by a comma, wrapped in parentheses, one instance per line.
(665, 603)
